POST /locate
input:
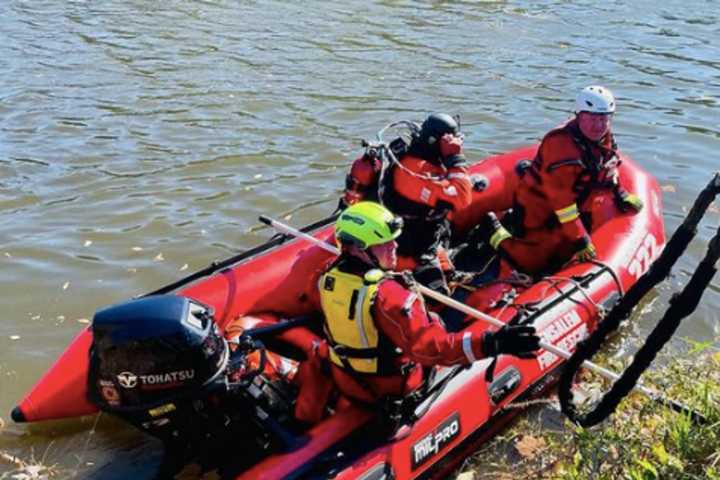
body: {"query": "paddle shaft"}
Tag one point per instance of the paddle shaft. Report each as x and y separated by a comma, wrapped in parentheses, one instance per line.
(603, 372)
(450, 302)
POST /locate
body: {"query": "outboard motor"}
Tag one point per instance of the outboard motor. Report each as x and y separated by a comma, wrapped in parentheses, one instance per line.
(153, 350)
(161, 364)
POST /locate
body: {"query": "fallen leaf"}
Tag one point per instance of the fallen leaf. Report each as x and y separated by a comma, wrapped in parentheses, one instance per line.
(184, 267)
(466, 476)
(83, 320)
(529, 446)
(159, 257)
(668, 188)
(132, 270)
(137, 249)
(7, 254)
(288, 217)
(66, 285)
(14, 337)
(259, 175)
(87, 243)
(11, 459)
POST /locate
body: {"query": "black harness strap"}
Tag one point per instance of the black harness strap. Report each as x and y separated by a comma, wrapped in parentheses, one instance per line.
(362, 353)
(589, 180)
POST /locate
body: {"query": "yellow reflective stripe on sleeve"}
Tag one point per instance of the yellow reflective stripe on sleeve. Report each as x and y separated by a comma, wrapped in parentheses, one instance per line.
(567, 214)
(500, 235)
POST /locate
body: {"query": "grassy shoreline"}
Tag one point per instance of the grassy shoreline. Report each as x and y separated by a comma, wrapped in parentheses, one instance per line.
(641, 441)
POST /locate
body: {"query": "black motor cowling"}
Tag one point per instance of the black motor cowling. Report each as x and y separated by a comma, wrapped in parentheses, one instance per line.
(149, 351)
(161, 364)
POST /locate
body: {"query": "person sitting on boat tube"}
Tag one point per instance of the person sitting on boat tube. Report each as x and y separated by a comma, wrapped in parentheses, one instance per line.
(379, 331)
(428, 182)
(547, 225)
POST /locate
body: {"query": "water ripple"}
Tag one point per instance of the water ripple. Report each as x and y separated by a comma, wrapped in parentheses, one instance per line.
(169, 126)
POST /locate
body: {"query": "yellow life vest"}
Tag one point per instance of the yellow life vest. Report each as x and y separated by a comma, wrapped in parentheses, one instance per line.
(347, 301)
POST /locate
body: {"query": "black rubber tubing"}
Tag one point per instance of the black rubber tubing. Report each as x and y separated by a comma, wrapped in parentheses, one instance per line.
(681, 306)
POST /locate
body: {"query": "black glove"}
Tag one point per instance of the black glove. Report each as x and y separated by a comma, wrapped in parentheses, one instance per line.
(627, 201)
(492, 231)
(431, 275)
(454, 161)
(518, 340)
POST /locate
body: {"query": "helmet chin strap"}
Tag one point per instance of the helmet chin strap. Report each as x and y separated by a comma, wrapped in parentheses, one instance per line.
(366, 255)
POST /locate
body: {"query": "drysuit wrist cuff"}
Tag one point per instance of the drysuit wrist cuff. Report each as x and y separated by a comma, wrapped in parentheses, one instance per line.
(455, 161)
(489, 345)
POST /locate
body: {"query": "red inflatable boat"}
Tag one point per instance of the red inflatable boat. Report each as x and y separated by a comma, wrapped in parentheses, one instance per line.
(465, 409)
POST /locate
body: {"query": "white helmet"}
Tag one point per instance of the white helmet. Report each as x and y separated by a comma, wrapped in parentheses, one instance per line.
(595, 99)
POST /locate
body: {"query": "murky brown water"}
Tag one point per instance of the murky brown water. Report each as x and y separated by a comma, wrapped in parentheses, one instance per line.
(139, 141)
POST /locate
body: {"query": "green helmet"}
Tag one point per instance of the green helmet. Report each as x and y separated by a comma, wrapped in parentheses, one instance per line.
(366, 224)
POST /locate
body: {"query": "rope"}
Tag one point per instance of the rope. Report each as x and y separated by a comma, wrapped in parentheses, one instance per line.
(515, 279)
(599, 309)
(612, 273)
(530, 403)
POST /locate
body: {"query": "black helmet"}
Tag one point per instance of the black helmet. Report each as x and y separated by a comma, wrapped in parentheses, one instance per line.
(437, 125)
(149, 350)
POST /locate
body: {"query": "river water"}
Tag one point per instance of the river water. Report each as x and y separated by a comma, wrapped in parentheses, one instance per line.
(139, 141)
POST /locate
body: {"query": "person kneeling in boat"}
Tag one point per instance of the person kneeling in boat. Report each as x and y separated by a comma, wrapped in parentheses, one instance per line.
(548, 224)
(379, 331)
(424, 186)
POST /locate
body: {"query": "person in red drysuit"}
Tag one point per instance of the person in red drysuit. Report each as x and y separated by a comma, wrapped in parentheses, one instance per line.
(424, 186)
(314, 387)
(379, 332)
(545, 227)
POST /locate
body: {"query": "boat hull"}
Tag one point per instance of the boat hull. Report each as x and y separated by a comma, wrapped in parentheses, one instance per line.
(273, 277)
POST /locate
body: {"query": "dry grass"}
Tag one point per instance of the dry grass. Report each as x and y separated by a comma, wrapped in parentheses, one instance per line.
(641, 441)
(31, 469)
(19, 460)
